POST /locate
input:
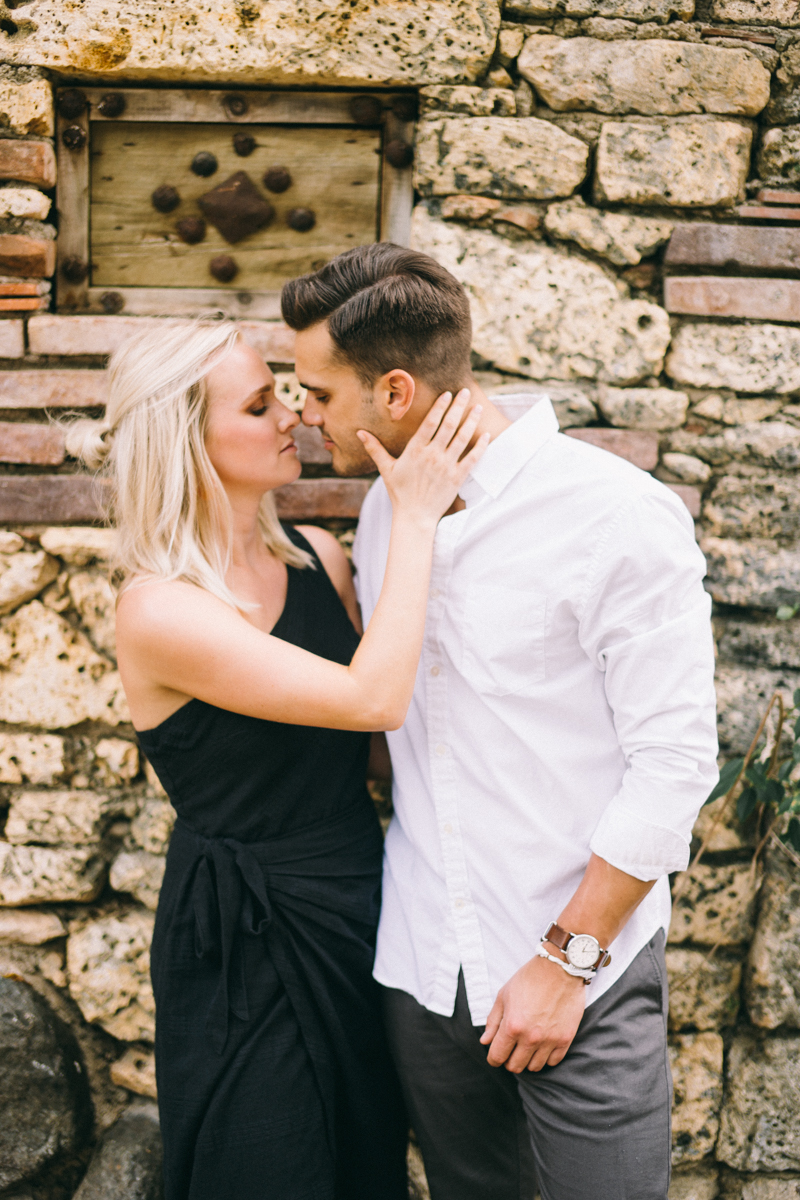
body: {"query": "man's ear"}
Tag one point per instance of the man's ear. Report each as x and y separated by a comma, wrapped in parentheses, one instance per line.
(396, 390)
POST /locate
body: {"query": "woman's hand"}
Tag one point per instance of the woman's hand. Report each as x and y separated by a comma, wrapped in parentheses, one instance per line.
(424, 481)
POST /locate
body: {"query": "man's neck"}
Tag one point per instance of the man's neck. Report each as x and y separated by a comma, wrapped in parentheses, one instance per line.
(492, 422)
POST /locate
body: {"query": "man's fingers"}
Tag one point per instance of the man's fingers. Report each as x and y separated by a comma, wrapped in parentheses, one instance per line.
(492, 1023)
(502, 1045)
(376, 450)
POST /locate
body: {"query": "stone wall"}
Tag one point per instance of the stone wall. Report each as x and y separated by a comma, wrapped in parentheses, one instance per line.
(562, 146)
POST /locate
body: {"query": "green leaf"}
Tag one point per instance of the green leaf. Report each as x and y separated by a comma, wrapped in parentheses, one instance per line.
(746, 803)
(786, 612)
(785, 769)
(793, 833)
(796, 698)
(772, 792)
(797, 722)
(727, 778)
(756, 772)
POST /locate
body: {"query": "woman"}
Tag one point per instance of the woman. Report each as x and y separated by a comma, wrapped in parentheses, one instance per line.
(253, 700)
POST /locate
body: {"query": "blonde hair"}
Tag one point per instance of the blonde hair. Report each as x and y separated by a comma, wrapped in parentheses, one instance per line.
(172, 515)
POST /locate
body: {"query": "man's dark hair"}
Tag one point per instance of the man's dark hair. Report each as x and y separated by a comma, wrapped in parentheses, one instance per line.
(388, 307)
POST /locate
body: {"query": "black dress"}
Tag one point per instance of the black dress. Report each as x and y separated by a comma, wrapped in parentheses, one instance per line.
(274, 1081)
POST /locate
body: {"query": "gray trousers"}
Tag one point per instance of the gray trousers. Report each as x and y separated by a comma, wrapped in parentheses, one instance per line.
(597, 1125)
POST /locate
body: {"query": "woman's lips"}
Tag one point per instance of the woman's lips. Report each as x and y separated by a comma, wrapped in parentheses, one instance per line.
(291, 447)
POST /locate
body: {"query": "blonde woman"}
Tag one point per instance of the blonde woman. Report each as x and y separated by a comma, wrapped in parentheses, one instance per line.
(253, 699)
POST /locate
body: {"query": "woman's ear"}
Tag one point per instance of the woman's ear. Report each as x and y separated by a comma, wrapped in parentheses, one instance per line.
(396, 389)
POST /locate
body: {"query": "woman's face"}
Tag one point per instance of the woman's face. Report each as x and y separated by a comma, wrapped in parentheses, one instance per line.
(248, 431)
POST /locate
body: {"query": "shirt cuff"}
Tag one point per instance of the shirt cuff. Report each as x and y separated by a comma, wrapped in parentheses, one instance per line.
(637, 847)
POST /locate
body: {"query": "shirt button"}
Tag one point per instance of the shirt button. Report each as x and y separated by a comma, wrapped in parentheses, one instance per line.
(459, 903)
(434, 670)
(441, 749)
(434, 593)
(448, 828)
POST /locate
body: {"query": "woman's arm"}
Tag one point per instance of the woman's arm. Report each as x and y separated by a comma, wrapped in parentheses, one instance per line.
(174, 638)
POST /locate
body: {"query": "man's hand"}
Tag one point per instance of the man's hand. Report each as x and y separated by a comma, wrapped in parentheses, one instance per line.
(535, 1017)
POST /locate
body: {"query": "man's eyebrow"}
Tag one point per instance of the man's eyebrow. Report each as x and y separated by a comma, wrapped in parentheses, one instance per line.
(312, 387)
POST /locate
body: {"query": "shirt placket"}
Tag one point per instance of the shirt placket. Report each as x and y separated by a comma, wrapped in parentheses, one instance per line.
(442, 747)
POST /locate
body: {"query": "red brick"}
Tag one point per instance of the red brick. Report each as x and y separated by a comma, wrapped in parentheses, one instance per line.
(636, 445)
(691, 496)
(66, 335)
(52, 389)
(28, 162)
(754, 212)
(715, 296)
(770, 196)
(20, 255)
(12, 339)
(24, 443)
(698, 244)
(23, 303)
(50, 499)
(316, 499)
(22, 287)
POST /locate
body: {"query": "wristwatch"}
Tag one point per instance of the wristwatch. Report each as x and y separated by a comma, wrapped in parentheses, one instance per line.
(582, 950)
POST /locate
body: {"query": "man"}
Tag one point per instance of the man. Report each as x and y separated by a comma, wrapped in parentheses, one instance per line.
(559, 745)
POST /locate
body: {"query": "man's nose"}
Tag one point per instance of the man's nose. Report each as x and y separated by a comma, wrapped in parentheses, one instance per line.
(310, 414)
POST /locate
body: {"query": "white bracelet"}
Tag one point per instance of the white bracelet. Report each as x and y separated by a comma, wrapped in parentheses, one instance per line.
(587, 974)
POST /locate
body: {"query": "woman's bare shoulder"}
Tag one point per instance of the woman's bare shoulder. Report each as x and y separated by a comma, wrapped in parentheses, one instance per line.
(152, 608)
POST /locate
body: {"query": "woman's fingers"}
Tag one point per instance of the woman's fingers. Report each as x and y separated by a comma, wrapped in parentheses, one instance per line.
(464, 434)
(377, 451)
(451, 419)
(432, 419)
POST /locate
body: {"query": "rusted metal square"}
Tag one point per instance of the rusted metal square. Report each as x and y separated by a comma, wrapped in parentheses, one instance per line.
(236, 208)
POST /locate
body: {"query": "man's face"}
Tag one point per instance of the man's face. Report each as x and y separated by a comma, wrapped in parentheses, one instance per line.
(340, 403)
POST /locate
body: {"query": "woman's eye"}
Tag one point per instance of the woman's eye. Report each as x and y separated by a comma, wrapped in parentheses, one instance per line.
(259, 409)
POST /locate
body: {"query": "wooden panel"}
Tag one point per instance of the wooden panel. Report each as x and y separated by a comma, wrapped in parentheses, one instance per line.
(636, 445)
(72, 202)
(24, 443)
(263, 107)
(52, 389)
(397, 189)
(68, 499)
(750, 246)
(187, 302)
(335, 173)
(715, 296)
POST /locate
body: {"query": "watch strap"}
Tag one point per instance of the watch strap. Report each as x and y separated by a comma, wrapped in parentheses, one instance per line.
(561, 938)
(585, 973)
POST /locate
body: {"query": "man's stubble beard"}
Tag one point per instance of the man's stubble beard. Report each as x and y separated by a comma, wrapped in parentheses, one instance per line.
(354, 460)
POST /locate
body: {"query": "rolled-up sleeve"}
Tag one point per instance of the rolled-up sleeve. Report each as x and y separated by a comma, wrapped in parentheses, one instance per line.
(645, 623)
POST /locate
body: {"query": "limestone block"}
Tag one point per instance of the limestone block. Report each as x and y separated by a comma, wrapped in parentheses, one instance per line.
(540, 313)
(27, 202)
(79, 544)
(95, 602)
(49, 874)
(572, 406)
(51, 676)
(759, 1130)
(633, 10)
(23, 576)
(773, 12)
(32, 757)
(747, 358)
(763, 1187)
(514, 158)
(717, 904)
(136, 1071)
(700, 1183)
(696, 1061)
(75, 818)
(720, 829)
(152, 826)
(703, 991)
(274, 42)
(751, 573)
(643, 408)
(778, 159)
(762, 443)
(647, 77)
(127, 1163)
(154, 784)
(687, 468)
(689, 162)
(470, 101)
(509, 43)
(12, 339)
(140, 874)
(742, 697)
(28, 927)
(622, 238)
(743, 412)
(770, 643)
(117, 760)
(772, 980)
(108, 964)
(26, 108)
(766, 505)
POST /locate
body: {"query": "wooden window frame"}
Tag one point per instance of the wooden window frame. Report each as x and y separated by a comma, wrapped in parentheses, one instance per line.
(163, 105)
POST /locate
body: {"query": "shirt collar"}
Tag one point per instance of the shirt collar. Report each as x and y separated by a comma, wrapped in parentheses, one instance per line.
(511, 450)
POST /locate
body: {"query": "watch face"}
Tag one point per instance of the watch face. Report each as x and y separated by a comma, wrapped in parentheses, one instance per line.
(583, 950)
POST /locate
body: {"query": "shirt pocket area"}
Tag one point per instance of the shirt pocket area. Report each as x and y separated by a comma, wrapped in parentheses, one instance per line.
(504, 639)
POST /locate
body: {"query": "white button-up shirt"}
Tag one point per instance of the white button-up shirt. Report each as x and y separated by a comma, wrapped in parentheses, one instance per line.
(564, 704)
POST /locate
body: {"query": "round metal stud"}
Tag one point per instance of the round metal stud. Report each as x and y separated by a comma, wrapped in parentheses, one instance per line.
(191, 230)
(277, 179)
(405, 108)
(301, 219)
(223, 268)
(73, 137)
(74, 269)
(111, 105)
(243, 144)
(204, 164)
(112, 302)
(399, 154)
(236, 105)
(165, 198)
(365, 110)
(71, 103)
